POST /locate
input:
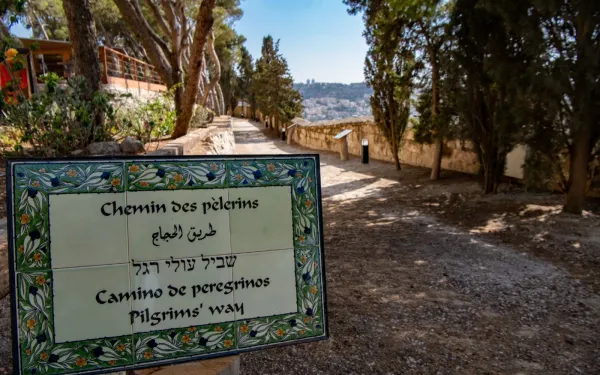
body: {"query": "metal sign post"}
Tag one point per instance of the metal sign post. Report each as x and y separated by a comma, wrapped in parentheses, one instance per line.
(342, 137)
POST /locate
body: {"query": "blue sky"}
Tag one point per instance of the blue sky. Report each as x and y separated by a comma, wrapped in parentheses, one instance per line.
(319, 39)
(20, 31)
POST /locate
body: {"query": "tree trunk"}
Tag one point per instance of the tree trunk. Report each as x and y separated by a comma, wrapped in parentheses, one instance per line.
(82, 32)
(578, 171)
(203, 82)
(488, 180)
(394, 147)
(221, 100)
(177, 76)
(204, 23)
(211, 101)
(493, 167)
(436, 168)
(219, 110)
(438, 154)
(215, 59)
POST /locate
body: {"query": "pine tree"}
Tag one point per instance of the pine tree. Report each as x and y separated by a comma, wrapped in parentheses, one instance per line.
(246, 76)
(492, 66)
(390, 68)
(428, 21)
(569, 33)
(273, 85)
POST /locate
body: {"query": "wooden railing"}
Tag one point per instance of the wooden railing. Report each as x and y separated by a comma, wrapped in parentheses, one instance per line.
(119, 67)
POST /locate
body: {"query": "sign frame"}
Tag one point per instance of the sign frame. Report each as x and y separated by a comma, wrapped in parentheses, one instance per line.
(45, 176)
(344, 133)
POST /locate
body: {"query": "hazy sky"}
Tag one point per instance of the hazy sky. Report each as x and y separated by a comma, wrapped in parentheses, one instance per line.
(318, 37)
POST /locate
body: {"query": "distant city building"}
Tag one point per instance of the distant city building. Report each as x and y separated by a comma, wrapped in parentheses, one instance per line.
(331, 101)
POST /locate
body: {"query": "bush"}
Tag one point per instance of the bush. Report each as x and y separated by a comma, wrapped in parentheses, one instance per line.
(60, 120)
(147, 120)
(201, 117)
(545, 171)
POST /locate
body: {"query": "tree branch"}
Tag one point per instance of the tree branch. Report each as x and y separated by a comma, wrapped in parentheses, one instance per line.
(159, 17)
(204, 24)
(157, 53)
(183, 21)
(157, 39)
(175, 29)
(215, 59)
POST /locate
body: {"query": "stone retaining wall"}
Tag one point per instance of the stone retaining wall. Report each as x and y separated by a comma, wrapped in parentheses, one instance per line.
(319, 135)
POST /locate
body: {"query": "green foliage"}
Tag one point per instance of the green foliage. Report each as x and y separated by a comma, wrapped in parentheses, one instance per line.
(273, 85)
(202, 116)
(491, 67)
(426, 126)
(60, 121)
(51, 80)
(422, 126)
(228, 46)
(148, 119)
(47, 19)
(545, 172)
(245, 78)
(390, 69)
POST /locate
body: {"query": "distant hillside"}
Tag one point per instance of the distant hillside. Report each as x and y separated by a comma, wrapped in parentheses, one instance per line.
(331, 101)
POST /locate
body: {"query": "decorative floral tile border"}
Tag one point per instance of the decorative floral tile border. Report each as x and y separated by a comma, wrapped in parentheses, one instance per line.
(39, 354)
(33, 183)
(30, 183)
(185, 342)
(309, 322)
(161, 175)
(300, 174)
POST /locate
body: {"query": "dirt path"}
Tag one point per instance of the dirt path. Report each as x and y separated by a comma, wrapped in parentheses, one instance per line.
(433, 278)
(418, 286)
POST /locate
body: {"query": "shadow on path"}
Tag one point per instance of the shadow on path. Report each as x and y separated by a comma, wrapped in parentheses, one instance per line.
(343, 176)
(411, 292)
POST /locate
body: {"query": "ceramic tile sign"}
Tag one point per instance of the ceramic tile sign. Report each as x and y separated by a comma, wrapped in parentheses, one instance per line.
(129, 263)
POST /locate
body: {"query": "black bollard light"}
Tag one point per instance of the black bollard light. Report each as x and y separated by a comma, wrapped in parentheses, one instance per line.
(365, 151)
(283, 134)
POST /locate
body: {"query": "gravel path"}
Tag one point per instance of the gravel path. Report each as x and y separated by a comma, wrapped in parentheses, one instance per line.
(431, 278)
(409, 293)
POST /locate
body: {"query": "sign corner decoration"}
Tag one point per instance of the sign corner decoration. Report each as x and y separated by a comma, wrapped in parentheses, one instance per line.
(125, 263)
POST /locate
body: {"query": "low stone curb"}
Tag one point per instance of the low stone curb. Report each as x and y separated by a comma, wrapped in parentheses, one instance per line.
(187, 143)
(183, 144)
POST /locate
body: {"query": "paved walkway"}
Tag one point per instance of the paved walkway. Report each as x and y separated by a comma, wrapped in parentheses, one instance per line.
(344, 179)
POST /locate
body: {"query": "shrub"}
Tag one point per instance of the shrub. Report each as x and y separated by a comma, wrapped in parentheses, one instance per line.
(201, 117)
(60, 120)
(147, 120)
(545, 171)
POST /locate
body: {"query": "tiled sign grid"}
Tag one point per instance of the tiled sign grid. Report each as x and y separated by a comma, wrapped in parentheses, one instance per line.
(32, 183)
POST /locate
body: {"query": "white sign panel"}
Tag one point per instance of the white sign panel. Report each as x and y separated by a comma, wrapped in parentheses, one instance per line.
(121, 264)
